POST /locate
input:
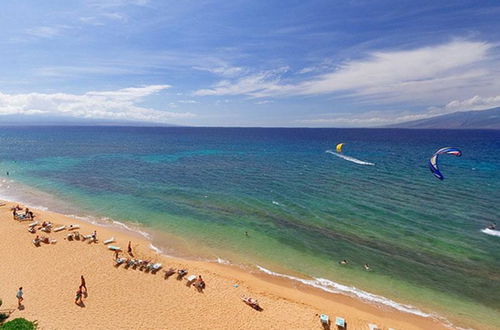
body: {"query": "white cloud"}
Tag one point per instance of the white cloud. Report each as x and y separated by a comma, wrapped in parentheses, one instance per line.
(474, 103)
(428, 74)
(255, 84)
(188, 101)
(119, 105)
(116, 3)
(225, 70)
(46, 31)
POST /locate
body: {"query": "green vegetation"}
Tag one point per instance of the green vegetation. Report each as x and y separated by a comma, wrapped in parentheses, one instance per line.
(19, 324)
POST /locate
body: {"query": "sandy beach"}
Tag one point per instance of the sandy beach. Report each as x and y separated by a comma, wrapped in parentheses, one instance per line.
(121, 298)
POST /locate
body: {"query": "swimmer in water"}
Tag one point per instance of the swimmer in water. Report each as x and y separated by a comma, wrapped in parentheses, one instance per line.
(344, 262)
(367, 267)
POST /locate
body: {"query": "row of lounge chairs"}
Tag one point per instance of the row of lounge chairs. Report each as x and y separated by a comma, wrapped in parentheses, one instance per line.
(43, 239)
(138, 263)
(340, 323)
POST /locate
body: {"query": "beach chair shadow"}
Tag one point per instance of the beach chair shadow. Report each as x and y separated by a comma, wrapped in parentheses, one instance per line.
(169, 272)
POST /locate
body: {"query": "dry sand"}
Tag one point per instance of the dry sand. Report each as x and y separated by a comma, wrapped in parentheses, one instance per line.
(120, 298)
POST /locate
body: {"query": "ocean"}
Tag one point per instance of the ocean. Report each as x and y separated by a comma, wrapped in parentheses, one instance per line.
(282, 201)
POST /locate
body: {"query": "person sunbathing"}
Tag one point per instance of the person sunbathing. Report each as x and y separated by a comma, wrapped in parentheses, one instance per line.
(199, 283)
(254, 303)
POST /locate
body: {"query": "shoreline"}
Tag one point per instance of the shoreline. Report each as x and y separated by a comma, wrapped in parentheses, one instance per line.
(277, 295)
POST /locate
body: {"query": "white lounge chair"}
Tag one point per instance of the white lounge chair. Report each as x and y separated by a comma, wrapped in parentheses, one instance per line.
(71, 227)
(372, 326)
(59, 228)
(33, 224)
(111, 240)
(191, 278)
(154, 267)
(340, 322)
(120, 261)
(324, 319)
(114, 248)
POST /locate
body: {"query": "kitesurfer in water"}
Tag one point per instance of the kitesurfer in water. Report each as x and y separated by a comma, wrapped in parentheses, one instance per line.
(492, 226)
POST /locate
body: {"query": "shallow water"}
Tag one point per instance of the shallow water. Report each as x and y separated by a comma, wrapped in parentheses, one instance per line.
(304, 208)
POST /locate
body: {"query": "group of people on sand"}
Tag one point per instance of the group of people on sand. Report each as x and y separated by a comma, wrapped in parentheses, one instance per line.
(345, 262)
(27, 215)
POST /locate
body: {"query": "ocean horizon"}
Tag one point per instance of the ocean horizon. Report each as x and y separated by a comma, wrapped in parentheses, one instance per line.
(281, 200)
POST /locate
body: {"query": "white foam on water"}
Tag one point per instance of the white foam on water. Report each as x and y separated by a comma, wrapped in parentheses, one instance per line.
(156, 249)
(223, 261)
(133, 229)
(276, 203)
(351, 159)
(491, 232)
(333, 287)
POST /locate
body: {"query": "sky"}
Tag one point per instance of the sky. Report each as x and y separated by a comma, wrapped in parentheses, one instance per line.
(349, 63)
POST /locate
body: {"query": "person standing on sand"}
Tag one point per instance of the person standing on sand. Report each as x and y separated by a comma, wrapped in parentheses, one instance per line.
(117, 254)
(19, 296)
(83, 285)
(129, 249)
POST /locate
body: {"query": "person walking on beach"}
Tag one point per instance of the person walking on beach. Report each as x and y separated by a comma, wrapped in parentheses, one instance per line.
(82, 285)
(78, 298)
(19, 296)
(129, 248)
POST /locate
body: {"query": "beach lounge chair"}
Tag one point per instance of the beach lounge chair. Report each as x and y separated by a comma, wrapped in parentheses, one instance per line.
(325, 320)
(154, 267)
(33, 224)
(372, 326)
(59, 228)
(46, 229)
(191, 278)
(71, 227)
(36, 242)
(76, 234)
(254, 303)
(120, 261)
(70, 236)
(111, 240)
(114, 248)
(340, 322)
(32, 229)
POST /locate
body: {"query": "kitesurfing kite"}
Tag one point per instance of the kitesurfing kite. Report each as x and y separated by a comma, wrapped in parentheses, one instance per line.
(433, 162)
(339, 147)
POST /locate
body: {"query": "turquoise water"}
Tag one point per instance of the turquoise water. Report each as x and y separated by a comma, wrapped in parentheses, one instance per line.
(303, 208)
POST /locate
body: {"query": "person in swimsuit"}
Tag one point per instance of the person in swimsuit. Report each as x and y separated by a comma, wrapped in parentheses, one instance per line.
(19, 296)
(83, 285)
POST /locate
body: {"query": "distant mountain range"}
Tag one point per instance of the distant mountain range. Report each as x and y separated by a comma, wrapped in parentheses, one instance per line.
(484, 119)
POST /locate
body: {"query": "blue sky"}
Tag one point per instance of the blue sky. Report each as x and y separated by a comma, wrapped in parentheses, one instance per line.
(248, 63)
